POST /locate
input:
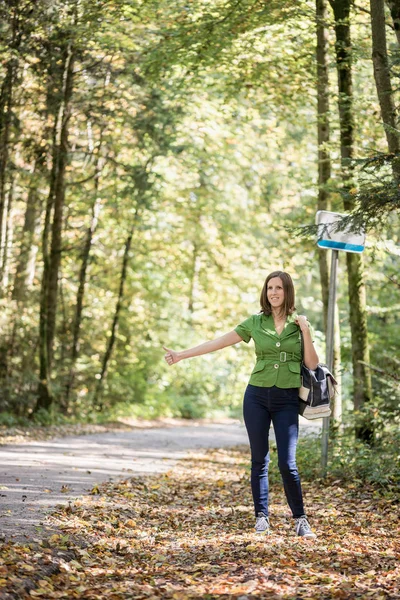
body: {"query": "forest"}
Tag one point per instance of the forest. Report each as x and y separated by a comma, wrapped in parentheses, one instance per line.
(157, 160)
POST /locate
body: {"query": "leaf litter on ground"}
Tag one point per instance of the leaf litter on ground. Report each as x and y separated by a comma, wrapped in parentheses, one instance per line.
(189, 534)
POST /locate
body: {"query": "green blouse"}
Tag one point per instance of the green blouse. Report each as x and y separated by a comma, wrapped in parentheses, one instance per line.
(278, 356)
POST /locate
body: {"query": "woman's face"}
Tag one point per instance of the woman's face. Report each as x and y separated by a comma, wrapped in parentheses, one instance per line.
(275, 293)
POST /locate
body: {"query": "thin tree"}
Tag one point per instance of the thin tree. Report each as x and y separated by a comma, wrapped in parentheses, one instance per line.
(394, 6)
(52, 232)
(324, 176)
(323, 130)
(362, 389)
(6, 104)
(97, 402)
(95, 209)
(383, 80)
(7, 236)
(26, 260)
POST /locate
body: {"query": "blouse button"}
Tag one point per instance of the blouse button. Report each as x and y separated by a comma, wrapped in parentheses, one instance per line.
(276, 366)
(278, 344)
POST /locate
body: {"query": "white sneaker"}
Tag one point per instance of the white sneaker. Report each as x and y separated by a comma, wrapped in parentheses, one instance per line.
(303, 528)
(262, 523)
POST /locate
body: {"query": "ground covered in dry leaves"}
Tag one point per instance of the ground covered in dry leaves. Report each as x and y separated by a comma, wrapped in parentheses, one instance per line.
(189, 534)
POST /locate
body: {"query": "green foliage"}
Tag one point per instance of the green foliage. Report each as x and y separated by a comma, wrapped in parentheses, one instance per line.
(11, 420)
(195, 123)
(354, 461)
(378, 194)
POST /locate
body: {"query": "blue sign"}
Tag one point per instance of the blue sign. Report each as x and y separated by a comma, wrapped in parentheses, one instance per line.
(331, 234)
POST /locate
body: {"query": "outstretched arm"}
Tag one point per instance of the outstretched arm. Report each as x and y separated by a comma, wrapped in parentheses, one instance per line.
(229, 339)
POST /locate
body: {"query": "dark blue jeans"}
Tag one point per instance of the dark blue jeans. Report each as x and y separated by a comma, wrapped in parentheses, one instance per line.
(261, 406)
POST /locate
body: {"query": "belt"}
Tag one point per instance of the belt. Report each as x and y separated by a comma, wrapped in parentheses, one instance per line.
(283, 357)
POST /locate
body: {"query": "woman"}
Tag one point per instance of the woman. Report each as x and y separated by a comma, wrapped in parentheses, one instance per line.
(272, 392)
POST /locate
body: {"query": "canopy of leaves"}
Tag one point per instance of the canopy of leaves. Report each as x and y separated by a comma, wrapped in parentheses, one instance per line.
(194, 123)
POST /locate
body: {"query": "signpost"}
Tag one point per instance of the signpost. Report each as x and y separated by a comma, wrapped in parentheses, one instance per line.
(332, 236)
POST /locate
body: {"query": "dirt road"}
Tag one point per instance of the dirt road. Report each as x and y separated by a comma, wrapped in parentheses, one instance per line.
(37, 476)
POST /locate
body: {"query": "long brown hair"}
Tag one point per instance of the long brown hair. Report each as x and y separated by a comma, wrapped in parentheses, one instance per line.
(289, 297)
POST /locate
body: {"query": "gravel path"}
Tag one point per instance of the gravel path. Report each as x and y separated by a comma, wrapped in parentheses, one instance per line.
(37, 476)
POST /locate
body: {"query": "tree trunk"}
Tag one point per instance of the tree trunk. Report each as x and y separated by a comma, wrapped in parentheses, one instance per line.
(82, 282)
(5, 125)
(87, 248)
(362, 391)
(341, 10)
(382, 78)
(28, 250)
(7, 236)
(52, 257)
(194, 272)
(324, 175)
(15, 18)
(114, 327)
(394, 6)
(324, 161)
(25, 270)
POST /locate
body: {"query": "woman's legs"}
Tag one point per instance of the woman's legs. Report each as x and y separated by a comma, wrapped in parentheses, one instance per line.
(286, 427)
(257, 419)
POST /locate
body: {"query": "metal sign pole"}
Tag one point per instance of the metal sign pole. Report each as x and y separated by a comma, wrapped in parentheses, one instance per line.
(331, 235)
(330, 337)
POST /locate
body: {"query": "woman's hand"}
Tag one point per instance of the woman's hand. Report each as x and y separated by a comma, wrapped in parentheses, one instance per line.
(302, 322)
(171, 357)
